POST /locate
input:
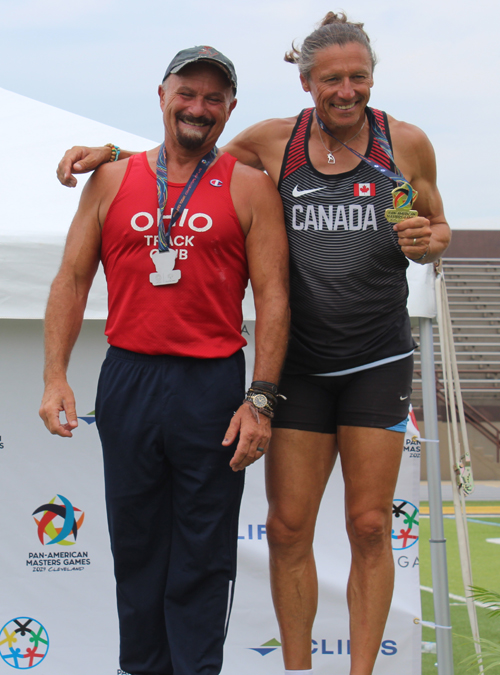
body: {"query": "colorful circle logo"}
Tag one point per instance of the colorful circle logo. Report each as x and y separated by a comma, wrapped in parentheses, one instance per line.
(59, 523)
(24, 643)
(404, 524)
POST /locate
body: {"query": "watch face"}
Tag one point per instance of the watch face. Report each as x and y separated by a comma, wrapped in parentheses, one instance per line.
(259, 400)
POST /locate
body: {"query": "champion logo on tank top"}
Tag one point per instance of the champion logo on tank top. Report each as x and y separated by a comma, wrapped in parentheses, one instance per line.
(216, 182)
(348, 284)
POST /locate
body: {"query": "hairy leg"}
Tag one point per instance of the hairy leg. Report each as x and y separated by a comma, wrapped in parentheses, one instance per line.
(370, 465)
(298, 465)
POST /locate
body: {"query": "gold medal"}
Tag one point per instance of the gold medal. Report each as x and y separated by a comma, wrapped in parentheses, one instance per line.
(403, 197)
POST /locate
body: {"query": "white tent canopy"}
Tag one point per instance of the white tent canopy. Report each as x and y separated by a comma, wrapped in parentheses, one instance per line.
(36, 210)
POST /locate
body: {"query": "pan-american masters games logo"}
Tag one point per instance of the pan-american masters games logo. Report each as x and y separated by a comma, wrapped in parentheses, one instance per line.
(404, 524)
(58, 522)
(67, 532)
(24, 643)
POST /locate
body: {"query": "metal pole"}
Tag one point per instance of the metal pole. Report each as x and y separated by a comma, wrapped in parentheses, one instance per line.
(442, 619)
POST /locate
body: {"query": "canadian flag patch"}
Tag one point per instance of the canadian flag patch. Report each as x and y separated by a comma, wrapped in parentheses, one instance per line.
(364, 189)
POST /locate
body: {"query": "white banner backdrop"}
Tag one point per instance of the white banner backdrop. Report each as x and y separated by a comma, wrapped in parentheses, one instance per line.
(57, 599)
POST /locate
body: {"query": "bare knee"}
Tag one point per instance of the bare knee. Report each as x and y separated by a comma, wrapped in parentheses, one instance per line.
(288, 533)
(370, 532)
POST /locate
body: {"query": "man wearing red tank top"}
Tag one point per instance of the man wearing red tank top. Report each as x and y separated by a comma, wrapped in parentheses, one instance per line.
(175, 432)
(357, 411)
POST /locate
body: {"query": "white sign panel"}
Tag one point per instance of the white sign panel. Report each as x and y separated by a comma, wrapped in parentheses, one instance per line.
(57, 609)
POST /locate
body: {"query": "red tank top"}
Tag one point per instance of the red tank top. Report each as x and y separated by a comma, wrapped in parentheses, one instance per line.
(200, 315)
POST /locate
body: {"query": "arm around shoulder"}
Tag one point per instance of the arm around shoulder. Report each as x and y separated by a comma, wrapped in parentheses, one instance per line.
(81, 159)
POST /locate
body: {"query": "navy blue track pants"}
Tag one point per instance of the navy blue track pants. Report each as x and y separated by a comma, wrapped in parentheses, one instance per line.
(172, 503)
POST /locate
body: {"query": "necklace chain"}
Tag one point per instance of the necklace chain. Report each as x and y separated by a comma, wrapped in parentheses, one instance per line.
(330, 153)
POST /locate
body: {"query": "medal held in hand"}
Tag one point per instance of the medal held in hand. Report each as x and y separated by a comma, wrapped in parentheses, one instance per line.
(403, 197)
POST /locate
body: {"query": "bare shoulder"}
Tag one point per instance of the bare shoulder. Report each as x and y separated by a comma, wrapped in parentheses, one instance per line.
(405, 134)
(107, 175)
(413, 151)
(102, 187)
(252, 182)
(244, 172)
(254, 194)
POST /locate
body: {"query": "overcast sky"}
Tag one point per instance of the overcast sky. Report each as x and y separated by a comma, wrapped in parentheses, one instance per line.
(438, 68)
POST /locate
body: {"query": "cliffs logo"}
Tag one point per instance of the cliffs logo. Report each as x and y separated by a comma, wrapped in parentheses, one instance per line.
(89, 417)
(24, 643)
(404, 524)
(59, 523)
(254, 532)
(267, 647)
(327, 647)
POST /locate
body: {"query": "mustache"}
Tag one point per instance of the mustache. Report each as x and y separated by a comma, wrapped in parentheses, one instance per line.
(196, 120)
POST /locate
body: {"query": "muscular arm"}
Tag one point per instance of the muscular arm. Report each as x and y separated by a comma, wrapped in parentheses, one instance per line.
(247, 146)
(262, 145)
(267, 254)
(81, 159)
(65, 308)
(415, 156)
(260, 212)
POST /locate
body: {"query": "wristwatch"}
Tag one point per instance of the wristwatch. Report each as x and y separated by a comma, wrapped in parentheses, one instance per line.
(259, 400)
(262, 403)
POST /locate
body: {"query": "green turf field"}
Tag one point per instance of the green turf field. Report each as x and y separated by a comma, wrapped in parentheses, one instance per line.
(485, 558)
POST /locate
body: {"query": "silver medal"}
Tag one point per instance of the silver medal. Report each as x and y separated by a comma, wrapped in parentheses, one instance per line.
(164, 262)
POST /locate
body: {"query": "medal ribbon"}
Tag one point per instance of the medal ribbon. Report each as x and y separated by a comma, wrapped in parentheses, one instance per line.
(396, 175)
(162, 190)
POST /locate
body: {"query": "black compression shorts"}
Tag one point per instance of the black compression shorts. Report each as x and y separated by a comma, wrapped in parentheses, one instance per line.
(376, 397)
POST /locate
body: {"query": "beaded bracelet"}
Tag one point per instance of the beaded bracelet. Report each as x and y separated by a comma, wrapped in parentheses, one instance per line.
(115, 152)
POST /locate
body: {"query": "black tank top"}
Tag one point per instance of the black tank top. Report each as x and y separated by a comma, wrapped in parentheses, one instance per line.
(348, 286)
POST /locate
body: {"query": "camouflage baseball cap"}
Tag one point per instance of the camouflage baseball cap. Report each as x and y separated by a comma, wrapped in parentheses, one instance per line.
(202, 53)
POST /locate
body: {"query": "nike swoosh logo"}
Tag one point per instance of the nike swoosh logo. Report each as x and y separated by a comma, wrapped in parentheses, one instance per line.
(298, 193)
(403, 398)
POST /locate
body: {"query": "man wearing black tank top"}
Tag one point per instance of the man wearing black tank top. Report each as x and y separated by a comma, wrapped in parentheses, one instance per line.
(348, 372)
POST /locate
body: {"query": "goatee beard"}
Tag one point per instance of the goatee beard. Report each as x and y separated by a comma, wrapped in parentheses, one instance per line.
(195, 141)
(190, 142)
